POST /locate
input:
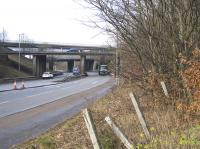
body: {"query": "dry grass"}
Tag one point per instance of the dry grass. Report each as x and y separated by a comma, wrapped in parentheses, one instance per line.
(25, 62)
(169, 128)
(9, 72)
(9, 67)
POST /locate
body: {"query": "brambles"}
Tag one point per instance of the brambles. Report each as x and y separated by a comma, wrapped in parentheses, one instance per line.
(191, 74)
(192, 107)
(196, 53)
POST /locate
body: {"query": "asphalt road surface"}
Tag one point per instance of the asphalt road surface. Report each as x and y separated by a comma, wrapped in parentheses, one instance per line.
(29, 112)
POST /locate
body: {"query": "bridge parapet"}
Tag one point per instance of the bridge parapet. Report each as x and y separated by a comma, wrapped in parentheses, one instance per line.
(54, 53)
(15, 44)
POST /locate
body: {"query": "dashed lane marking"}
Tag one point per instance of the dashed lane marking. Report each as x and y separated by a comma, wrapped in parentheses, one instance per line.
(95, 82)
(3, 102)
(38, 94)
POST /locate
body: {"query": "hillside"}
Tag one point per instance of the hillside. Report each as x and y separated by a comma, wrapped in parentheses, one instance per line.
(7, 71)
(25, 62)
(9, 66)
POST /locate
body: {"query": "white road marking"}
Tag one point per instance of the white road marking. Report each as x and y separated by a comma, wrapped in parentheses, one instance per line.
(54, 86)
(3, 102)
(48, 86)
(65, 87)
(95, 82)
(58, 86)
(38, 94)
(34, 95)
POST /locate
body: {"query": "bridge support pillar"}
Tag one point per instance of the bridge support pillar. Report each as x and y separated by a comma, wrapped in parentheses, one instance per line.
(39, 65)
(95, 65)
(47, 66)
(82, 64)
(67, 68)
(51, 63)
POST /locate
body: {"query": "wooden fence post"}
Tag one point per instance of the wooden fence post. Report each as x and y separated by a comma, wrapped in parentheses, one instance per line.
(118, 133)
(91, 129)
(164, 88)
(140, 116)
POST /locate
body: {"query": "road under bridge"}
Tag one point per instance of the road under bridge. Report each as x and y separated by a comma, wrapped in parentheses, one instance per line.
(86, 57)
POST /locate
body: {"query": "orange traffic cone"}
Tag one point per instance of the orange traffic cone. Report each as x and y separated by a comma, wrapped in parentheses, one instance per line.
(15, 85)
(23, 85)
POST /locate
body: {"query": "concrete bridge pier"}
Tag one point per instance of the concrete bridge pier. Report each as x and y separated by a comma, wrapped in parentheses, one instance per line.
(39, 65)
(82, 64)
(47, 66)
(95, 64)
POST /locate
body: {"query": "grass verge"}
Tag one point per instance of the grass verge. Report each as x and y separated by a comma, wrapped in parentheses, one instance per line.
(169, 127)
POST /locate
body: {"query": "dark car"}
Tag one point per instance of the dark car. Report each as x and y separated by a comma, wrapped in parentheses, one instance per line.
(103, 70)
(57, 73)
(76, 71)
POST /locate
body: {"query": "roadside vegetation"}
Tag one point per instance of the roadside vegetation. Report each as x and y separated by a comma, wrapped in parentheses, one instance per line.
(169, 127)
(9, 64)
(157, 41)
(26, 63)
(7, 71)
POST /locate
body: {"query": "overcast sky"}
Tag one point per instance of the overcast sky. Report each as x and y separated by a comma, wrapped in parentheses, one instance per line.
(49, 21)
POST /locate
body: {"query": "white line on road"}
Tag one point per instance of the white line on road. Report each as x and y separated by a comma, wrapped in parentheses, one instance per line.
(95, 82)
(57, 86)
(65, 87)
(34, 95)
(38, 94)
(50, 86)
(3, 102)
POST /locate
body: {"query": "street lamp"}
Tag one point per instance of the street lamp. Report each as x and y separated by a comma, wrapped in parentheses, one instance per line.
(19, 58)
(117, 62)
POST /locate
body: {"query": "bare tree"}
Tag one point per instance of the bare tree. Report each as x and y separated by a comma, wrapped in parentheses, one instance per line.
(154, 32)
(3, 36)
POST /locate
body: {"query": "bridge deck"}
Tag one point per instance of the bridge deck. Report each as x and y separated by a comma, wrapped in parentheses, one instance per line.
(15, 44)
(55, 53)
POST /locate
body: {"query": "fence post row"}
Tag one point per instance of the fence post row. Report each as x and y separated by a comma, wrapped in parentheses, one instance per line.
(164, 88)
(140, 116)
(91, 129)
(119, 133)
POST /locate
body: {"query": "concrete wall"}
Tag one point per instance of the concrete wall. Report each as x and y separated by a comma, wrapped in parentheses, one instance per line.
(61, 66)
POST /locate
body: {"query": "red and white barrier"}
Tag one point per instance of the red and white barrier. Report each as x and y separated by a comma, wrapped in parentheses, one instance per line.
(14, 85)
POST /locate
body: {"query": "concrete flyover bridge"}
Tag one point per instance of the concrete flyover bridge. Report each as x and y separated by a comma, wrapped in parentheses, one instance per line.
(46, 53)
